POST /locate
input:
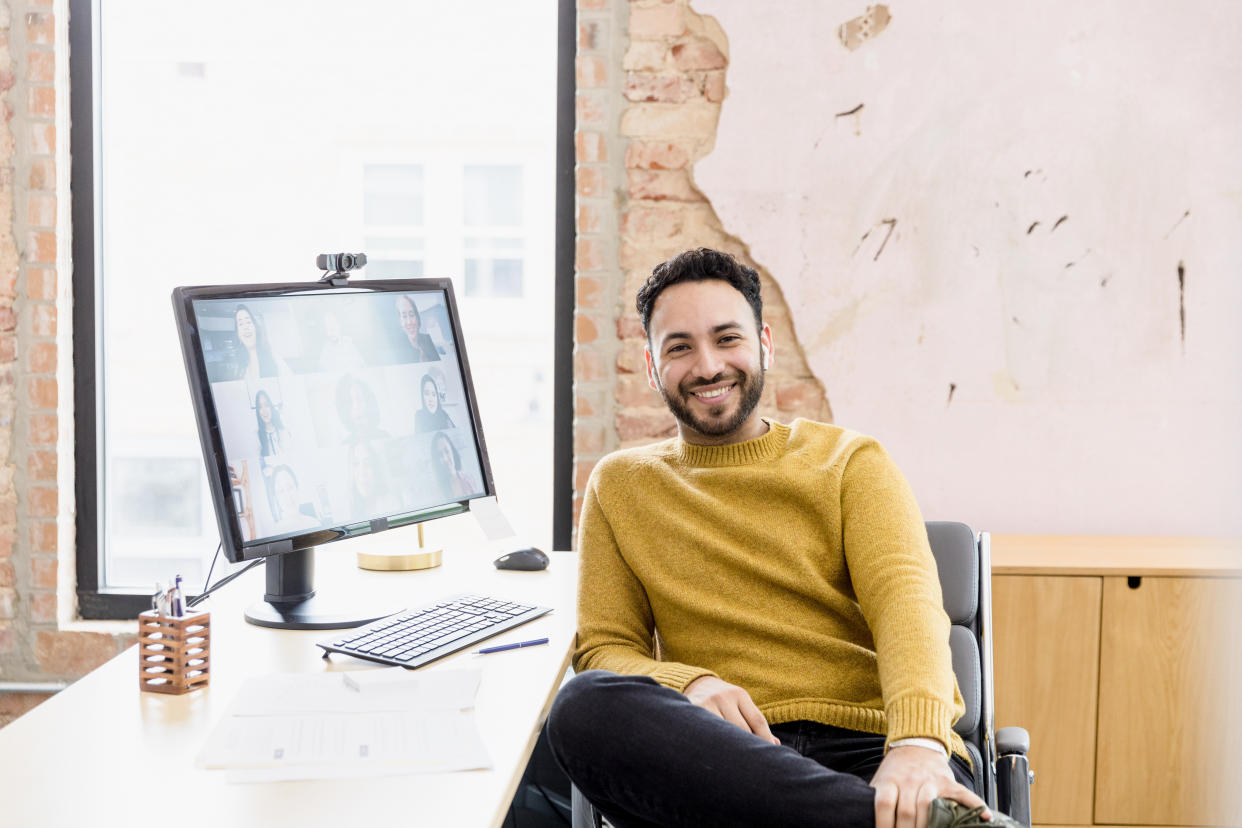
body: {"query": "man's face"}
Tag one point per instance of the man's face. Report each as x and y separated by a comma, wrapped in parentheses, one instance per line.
(706, 359)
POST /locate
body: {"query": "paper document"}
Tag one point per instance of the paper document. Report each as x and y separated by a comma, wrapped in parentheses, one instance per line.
(491, 520)
(319, 726)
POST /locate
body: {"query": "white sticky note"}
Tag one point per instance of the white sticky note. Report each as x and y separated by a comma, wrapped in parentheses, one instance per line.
(491, 520)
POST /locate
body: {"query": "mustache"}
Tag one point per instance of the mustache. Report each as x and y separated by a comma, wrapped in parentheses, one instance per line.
(721, 377)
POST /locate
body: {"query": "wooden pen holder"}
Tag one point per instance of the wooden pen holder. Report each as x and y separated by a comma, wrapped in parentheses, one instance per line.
(174, 654)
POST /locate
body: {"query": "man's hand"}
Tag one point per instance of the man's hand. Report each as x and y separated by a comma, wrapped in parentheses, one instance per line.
(731, 703)
(909, 778)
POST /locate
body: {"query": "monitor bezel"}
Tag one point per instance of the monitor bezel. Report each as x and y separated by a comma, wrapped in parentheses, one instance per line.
(235, 547)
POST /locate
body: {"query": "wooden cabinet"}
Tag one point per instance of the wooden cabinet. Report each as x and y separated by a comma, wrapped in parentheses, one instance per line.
(1123, 658)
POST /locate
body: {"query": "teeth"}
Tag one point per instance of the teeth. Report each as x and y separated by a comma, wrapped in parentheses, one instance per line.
(707, 395)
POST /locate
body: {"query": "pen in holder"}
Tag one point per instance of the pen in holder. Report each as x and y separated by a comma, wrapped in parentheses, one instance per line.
(174, 652)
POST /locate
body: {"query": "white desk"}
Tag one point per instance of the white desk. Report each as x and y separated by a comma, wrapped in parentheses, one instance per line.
(103, 753)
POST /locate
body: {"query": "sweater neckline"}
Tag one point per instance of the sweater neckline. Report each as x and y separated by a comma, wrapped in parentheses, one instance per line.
(764, 447)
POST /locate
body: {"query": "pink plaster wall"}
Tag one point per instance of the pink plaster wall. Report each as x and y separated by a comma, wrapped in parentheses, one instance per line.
(1030, 373)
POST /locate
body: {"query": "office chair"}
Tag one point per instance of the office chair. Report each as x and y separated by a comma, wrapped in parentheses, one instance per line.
(964, 564)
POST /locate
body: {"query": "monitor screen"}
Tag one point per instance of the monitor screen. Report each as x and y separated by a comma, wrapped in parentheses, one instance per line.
(327, 412)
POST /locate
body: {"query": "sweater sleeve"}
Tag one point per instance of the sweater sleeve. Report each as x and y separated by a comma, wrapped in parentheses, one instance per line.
(616, 628)
(894, 577)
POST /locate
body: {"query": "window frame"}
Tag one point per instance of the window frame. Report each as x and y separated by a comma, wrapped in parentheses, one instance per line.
(97, 603)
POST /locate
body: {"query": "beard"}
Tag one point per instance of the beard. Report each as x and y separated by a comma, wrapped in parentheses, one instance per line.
(716, 424)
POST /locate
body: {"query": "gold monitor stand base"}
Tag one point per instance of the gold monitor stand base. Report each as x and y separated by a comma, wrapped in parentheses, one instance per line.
(389, 561)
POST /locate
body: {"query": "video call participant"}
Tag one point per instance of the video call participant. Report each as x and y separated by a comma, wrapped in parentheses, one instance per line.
(273, 439)
(337, 351)
(369, 491)
(254, 358)
(421, 348)
(803, 674)
(358, 410)
(454, 481)
(432, 416)
(288, 502)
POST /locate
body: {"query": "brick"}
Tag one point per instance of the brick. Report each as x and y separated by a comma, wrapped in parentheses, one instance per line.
(590, 147)
(799, 393)
(43, 428)
(591, 34)
(15, 705)
(578, 500)
(583, 407)
(588, 365)
(41, 358)
(8, 603)
(41, 67)
(42, 572)
(656, 155)
(664, 121)
(42, 392)
(714, 88)
(662, 185)
(697, 53)
(590, 182)
(585, 330)
(41, 246)
(658, 21)
(43, 139)
(8, 575)
(7, 79)
(8, 643)
(645, 86)
(592, 4)
(589, 254)
(72, 654)
(8, 275)
(645, 56)
(589, 292)
(638, 423)
(41, 102)
(41, 211)
(43, 320)
(41, 465)
(633, 391)
(588, 439)
(589, 220)
(42, 174)
(650, 223)
(41, 29)
(590, 71)
(8, 348)
(8, 512)
(41, 282)
(631, 358)
(8, 319)
(590, 109)
(42, 607)
(43, 537)
(42, 502)
(630, 326)
(7, 536)
(582, 473)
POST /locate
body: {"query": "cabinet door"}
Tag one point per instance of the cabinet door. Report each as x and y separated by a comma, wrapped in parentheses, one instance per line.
(1046, 645)
(1170, 717)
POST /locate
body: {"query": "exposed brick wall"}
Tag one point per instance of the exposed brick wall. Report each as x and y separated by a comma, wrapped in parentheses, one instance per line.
(35, 423)
(651, 83)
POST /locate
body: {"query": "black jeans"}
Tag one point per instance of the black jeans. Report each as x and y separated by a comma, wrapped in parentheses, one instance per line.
(646, 756)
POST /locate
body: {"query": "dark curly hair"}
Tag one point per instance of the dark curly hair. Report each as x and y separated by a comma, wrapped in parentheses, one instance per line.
(697, 266)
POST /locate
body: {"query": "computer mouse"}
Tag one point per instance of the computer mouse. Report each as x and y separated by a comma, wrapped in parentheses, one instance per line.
(527, 560)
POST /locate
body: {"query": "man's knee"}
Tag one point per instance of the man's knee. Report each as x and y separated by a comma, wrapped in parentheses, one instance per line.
(590, 704)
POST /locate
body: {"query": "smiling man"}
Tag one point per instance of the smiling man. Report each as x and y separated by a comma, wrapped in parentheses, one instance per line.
(760, 634)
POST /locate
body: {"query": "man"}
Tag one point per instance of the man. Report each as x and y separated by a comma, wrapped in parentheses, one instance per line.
(760, 634)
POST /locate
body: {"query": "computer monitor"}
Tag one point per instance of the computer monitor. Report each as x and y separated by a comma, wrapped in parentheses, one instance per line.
(328, 412)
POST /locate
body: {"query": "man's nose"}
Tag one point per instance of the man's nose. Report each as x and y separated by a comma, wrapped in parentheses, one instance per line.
(709, 365)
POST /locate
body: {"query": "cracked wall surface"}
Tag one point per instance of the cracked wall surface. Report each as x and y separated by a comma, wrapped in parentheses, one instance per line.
(1007, 236)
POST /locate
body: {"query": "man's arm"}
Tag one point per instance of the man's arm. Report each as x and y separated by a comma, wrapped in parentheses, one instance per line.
(616, 627)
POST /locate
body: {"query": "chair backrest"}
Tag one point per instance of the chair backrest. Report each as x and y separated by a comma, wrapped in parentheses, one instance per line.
(964, 566)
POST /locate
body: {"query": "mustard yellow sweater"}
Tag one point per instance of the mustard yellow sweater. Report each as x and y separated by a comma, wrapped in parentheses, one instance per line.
(794, 565)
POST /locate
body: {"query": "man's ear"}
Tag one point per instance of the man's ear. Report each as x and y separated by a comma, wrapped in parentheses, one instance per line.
(651, 376)
(765, 346)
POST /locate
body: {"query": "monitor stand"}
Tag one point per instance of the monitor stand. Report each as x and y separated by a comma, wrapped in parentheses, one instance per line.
(290, 603)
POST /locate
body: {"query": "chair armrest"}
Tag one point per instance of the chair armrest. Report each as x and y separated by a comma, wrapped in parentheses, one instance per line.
(1013, 740)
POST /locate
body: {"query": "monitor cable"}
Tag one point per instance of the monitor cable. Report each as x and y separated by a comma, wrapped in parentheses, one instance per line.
(208, 590)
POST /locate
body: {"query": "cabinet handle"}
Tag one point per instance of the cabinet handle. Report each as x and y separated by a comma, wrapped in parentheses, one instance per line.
(1134, 581)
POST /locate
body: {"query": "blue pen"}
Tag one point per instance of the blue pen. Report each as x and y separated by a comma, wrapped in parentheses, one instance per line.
(503, 647)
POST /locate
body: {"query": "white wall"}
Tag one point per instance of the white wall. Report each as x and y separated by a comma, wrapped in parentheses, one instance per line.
(1080, 405)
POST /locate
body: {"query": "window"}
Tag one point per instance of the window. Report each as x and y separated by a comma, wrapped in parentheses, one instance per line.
(208, 152)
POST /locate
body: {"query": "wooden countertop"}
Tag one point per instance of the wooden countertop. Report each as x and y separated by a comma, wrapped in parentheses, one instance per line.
(1116, 555)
